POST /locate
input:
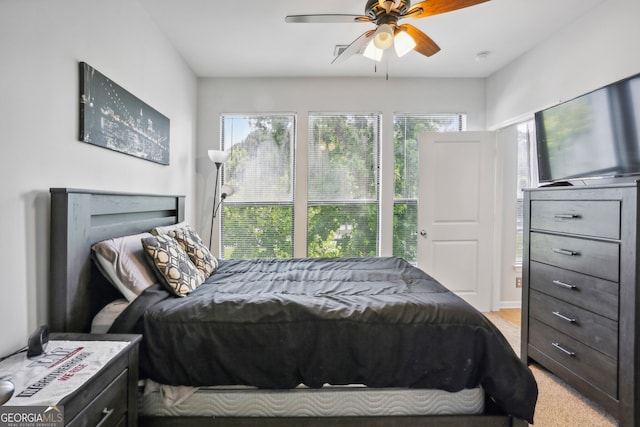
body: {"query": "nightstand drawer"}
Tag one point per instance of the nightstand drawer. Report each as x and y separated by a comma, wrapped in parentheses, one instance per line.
(108, 408)
(582, 360)
(598, 218)
(599, 259)
(591, 329)
(594, 294)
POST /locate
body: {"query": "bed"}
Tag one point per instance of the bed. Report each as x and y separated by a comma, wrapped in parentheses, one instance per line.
(410, 319)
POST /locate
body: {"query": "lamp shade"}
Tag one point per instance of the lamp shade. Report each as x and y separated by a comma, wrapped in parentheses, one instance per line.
(403, 43)
(218, 156)
(226, 191)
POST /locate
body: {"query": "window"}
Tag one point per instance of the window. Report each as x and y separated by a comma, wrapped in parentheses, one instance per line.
(343, 185)
(257, 221)
(406, 129)
(526, 178)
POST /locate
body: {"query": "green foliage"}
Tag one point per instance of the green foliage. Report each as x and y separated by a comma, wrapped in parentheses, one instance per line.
(342, 230)
(258, 231)
(405, 236)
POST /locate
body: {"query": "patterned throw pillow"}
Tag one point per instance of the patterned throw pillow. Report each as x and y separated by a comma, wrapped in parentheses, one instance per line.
(165, 229)
(192, 244)
(175, 268)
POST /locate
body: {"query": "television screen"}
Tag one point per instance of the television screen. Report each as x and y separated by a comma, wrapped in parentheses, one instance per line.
(593, 136)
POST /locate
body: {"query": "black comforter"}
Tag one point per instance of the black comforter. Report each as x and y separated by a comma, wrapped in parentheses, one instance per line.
(278, 323)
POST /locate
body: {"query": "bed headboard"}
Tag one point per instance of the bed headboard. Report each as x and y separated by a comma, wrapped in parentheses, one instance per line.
(80, 218)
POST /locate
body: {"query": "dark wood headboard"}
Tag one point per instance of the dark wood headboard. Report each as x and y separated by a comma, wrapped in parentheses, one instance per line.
(80, 218)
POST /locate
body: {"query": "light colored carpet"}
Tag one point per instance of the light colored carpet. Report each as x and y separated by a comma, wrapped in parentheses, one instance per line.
(558, 403)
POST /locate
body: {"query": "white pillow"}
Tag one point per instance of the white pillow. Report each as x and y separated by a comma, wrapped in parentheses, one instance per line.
(105, 317)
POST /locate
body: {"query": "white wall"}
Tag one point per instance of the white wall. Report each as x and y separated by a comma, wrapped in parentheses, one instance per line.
(598, 49)
(41, 42)
(301, 96)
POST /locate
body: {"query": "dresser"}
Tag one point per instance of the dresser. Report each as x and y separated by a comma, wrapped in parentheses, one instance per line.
(580, 293)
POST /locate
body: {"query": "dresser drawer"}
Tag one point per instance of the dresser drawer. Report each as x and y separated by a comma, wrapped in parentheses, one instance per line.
(598, 218)
(591, 293)
(586, 256)
(108, 408)
(582, 360)
(589, 328)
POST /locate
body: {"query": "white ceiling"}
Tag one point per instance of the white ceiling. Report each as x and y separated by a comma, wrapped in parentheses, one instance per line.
(249, 38)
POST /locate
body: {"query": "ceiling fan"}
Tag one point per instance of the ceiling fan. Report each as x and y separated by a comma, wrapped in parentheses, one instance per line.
(386, 14)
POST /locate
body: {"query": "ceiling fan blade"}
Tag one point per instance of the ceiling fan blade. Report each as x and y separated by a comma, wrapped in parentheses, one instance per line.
(326, 18)
(424, 44)
(357, 46)
(436, 7)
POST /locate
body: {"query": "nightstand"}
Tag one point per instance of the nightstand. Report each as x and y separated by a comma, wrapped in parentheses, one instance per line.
(107, 394)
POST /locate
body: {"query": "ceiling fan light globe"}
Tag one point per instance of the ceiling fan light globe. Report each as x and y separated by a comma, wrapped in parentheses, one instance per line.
(383, 37)
(372, 52)
(403, 43)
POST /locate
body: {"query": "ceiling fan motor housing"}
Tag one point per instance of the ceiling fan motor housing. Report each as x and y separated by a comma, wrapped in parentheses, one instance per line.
(379, 15)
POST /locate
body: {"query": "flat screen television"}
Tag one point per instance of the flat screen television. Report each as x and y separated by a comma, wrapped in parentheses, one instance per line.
(596, 135)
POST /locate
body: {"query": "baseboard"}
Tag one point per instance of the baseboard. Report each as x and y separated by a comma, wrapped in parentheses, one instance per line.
(510, 304)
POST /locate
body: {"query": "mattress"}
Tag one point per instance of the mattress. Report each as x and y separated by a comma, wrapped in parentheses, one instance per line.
(323, 402)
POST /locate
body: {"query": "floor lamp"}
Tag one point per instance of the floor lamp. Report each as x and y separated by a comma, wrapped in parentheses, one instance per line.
(218, 157)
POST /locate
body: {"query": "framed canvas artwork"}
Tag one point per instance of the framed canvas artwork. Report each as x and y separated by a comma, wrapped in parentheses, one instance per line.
(113, 118)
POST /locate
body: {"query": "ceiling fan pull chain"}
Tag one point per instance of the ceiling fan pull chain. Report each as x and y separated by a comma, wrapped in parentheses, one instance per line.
(387, 66)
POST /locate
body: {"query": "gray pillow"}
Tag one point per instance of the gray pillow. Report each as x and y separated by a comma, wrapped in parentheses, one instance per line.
(123, 263)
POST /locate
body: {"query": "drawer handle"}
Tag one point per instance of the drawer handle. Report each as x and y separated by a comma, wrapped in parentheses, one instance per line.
(563, 317)
(562, 349)
(566, 252)
(564, 285)
(566, 216)
(106, 413)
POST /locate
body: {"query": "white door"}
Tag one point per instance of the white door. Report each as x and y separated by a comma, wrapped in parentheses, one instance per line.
(456, 211)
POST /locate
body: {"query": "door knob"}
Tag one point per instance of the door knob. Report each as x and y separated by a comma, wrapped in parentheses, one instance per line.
(423, 233)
